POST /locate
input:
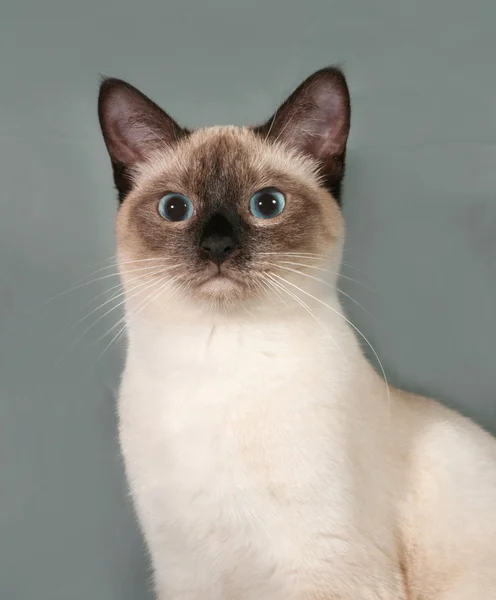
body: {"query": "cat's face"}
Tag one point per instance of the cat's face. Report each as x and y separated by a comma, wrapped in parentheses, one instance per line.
(224, 217)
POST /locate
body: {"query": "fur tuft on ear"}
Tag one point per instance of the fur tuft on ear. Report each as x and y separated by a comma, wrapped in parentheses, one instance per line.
(133, 126)
(315, 120)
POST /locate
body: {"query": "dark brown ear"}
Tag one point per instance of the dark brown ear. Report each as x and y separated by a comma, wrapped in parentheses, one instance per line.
(133, 127)
(315, 120)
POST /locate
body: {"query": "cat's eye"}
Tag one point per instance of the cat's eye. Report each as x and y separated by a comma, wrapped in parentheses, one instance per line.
(175, 207)
(267, 203)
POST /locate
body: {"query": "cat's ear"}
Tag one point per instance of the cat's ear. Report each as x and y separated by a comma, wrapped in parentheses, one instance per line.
(133, 128)
(315, 120)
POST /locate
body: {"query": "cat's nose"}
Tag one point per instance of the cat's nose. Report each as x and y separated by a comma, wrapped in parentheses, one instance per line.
(218, 240)
(218, 248)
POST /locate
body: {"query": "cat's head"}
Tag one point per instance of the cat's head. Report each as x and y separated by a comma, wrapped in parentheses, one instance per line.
(225, 217)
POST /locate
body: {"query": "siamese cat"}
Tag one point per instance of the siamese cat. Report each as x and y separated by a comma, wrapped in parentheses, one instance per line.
(266, 458)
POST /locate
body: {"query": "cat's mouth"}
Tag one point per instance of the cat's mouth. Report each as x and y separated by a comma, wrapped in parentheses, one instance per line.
(219, 281)
(220, 278)
(220, 287)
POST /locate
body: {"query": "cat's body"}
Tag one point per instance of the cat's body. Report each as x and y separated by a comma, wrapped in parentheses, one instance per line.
(266, 458)
(344, 498)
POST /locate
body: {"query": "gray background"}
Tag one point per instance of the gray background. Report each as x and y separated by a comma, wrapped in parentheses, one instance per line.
(420, 205)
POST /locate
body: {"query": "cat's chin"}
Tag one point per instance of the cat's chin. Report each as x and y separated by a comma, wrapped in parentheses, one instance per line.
(220, 285)
(221, 291)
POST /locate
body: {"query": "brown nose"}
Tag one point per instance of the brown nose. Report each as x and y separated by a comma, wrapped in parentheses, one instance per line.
(218, 241)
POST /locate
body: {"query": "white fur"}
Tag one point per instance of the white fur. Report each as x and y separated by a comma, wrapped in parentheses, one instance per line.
(267, 462)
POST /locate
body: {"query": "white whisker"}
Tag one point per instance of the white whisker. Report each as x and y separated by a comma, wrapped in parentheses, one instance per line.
(310, 312)
(322, 281)
(88, 329)
(349, 323)
(301, 254)
(324, 270)
(120, 294)
(117, 274)
(127, 318)
(310, 256)
(276, 291)
(129, 262)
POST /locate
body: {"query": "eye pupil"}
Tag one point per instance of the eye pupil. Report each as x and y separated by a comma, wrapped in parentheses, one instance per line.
(175, 207)
(267, 204)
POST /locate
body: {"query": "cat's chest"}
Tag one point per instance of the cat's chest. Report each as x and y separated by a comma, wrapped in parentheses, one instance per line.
(233, 434)
(232, 466)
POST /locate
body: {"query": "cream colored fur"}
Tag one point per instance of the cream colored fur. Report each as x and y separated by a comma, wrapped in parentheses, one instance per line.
(267, 461)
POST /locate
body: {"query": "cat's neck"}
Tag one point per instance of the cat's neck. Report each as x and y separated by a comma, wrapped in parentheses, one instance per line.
(215, 340)
(244, 356)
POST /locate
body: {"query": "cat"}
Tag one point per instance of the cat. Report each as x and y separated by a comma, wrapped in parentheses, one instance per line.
(266, 458)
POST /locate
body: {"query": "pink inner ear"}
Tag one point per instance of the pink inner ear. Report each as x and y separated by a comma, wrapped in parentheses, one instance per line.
(316, 117)
(126, 134)
(132, 124)
(124, 141)
(330, 125)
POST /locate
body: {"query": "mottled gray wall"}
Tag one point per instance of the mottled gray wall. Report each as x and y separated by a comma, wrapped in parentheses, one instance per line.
(420, 204)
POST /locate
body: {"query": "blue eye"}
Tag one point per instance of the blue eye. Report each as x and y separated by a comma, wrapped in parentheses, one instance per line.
(175, 207)
(267, 203)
